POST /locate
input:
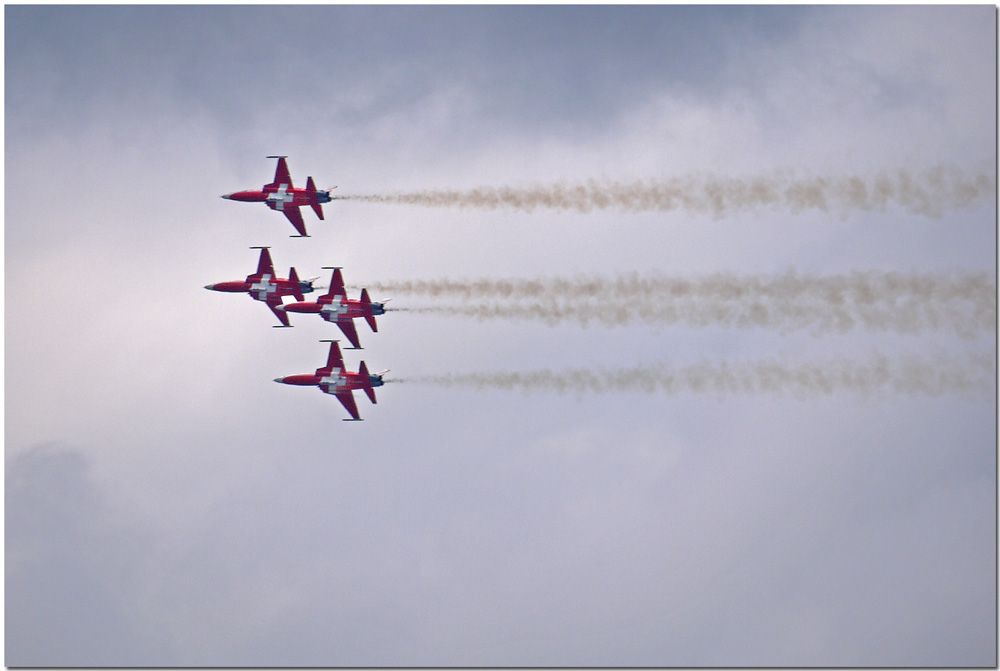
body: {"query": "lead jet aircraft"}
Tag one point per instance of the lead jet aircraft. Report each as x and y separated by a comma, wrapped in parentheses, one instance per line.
(282, 196)
(334, 306)
(264, 286)
(334, 379)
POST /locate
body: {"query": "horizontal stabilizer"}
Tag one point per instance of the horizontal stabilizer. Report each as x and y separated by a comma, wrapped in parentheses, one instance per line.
(313, 198)
(293, 279)
(366, 304)
(366, 381)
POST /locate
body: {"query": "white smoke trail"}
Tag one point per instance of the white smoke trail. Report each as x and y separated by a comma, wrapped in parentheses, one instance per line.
(861, 287)
(973, 377)
(911, 318)
(929, 193)
(881, 301)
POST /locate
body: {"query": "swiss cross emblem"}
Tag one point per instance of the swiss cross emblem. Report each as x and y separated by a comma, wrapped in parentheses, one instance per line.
(280, 197)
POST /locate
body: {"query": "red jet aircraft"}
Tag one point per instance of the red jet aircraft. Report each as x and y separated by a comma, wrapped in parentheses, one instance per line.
(282, 196)
(264, 286)
(334, 379)
(334, 306)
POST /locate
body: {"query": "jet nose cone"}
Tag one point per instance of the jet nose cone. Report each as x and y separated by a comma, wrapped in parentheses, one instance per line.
(227, 196)
(279, 308)
(279, 379)
(210, 287)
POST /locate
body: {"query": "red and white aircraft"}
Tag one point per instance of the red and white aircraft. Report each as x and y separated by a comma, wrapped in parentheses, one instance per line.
(334, 379)
(282, 196)
(264, 286)
(334, 306)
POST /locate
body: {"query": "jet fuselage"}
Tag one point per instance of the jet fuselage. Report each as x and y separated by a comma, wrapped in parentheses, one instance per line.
(337, 308)
(277, 198)
(260, 288)
(334, 381)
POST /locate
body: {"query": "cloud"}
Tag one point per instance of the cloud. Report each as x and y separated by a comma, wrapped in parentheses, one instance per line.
(594, 544)
(70, 568)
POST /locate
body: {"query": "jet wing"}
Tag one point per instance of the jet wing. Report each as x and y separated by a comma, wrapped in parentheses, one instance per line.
(281, 175)
(336, 285)
(264, 265)
(334, 359)
(347, 326)
(273, 302)
(346, 399)
(294, 216)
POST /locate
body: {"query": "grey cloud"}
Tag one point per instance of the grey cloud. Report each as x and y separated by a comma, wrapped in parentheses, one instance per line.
(541, 66)
(69, 568)
(758, 541)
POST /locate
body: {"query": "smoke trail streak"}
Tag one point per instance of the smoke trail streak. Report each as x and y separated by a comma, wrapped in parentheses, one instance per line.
(907, 318)
(974, 377)
(929, 193)
(889, 301)
(861, 287)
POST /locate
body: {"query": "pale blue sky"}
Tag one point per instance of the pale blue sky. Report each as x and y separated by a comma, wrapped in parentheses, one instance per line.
(168, 504)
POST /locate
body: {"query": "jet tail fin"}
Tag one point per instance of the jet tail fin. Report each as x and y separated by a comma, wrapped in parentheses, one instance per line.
(366, 304)
(313, 199)
(293, 279)
(367, 381)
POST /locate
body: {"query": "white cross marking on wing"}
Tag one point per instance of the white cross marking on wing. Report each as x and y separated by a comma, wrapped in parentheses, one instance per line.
(261, 289)
(336, 381)
(335, 309)
(280, 197)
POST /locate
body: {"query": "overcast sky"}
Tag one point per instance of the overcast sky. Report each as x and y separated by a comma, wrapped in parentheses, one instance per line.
(168, 504)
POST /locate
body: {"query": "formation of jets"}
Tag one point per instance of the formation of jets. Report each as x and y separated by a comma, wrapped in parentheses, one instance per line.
(333, 306)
